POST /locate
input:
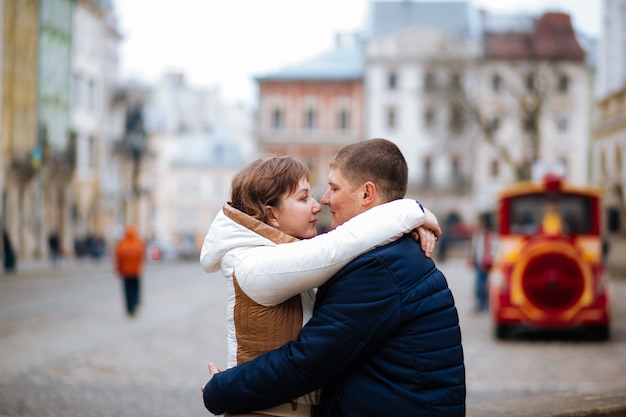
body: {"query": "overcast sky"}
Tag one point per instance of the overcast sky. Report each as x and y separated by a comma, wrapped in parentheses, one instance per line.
(227, 43)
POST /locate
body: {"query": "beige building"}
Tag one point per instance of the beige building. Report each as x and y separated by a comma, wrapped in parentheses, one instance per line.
(609, 153)
(21, 160)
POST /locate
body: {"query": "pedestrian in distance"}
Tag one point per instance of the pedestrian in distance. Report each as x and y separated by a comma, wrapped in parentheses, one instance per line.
(54, 245)
(384, 338)
(270, 281)
(130, 253)
(482, 255)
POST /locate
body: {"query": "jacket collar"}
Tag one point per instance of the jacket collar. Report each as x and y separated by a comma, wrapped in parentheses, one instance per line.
(256, 226)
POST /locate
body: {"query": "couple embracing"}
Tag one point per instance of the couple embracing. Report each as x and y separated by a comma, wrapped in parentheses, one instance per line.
(358, 321)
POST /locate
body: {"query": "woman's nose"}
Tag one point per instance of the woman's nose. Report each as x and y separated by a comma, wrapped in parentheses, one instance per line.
(317, 207)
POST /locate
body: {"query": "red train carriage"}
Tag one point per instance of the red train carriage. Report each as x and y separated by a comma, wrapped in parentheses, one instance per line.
(549, 270)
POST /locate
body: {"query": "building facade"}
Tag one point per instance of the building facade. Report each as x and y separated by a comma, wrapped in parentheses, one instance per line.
(95, 125)
(196, 143)
(59, 75)
(530, 101)
(609, 133)
(20, 134)
(311, 110)
(413, 79)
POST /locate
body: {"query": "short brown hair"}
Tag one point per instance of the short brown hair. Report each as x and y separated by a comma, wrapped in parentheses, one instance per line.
(264, 182)
(377, 160)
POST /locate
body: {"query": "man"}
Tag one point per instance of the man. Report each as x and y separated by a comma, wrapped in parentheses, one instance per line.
(384, 338)
(482, 255)
(129, 257)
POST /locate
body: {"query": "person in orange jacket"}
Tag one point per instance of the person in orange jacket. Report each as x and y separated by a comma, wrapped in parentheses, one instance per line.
(129, 259)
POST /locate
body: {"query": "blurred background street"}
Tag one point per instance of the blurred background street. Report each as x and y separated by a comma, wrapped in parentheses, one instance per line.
(68, 349)
(140, 112)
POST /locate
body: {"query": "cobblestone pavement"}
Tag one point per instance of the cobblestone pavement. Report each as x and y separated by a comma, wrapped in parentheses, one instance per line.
(67, 349)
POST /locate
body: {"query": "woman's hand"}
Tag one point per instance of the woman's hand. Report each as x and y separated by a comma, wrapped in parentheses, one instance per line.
(426, 238)
(428, 233)
(431, 223)
(213, 369)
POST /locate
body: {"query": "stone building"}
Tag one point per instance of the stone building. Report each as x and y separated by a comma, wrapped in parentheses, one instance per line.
(609, 134)
(530, 100)
(21, 153)
(58, 74)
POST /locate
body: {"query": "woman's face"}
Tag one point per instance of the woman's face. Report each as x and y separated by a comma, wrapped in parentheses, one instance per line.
(297, 212)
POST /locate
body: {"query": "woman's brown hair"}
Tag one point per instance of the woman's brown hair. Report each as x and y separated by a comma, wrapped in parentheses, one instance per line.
(264, 182)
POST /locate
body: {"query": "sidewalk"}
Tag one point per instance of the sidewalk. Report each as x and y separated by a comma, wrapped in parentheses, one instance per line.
(28, 265)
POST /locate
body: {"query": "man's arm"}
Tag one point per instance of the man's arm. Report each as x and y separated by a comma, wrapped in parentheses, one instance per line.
(345, 328)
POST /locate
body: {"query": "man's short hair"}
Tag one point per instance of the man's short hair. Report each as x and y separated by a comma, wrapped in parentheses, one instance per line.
(377, 160)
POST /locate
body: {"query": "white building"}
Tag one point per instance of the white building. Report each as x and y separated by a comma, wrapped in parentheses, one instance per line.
(408, 89)
(609, 135)
(197, 142)
(94, 122)
(467, 109)
(537, 69)
(416, 61)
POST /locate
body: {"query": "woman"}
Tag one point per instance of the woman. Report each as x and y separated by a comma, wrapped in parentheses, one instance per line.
(271, 286)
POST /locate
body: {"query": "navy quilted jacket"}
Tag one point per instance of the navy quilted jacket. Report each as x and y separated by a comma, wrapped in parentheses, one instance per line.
(384, 340)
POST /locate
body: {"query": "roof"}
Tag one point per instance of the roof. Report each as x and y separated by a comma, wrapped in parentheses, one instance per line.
(456, 18)
(342, 63)
(552, 37)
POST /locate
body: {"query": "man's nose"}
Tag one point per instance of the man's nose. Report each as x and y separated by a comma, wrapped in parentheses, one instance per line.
(325, 200)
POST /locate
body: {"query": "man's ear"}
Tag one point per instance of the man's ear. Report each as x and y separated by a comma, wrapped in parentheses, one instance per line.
(271, 217)
(370, 193)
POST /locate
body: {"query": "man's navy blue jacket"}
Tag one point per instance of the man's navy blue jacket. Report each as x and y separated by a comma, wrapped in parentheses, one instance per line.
(384, 340)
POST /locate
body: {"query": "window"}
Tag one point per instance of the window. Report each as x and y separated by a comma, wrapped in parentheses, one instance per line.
(391, 117)
(430, 82)
(344, 120)
(429, 117)
(562, 122)
(456, 118)
(563, 83)
(455, 165)
(428, 168)
(494, 168)
(392, 80)
(455, 82)
(92, 95)
(277, 119)
(563, 162)
(495, 124)
(530, 121)
(310, 119)
(91, 152)
(496, 83)
(76, 91)
(530, 82)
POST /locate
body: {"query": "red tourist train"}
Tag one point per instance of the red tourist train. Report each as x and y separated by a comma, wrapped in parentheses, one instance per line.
(549, 271)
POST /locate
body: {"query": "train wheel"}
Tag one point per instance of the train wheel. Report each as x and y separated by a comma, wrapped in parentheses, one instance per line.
(600, 333)
(502, 331)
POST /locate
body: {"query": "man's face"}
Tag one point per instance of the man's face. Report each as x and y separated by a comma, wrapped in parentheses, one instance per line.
(342, 198)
